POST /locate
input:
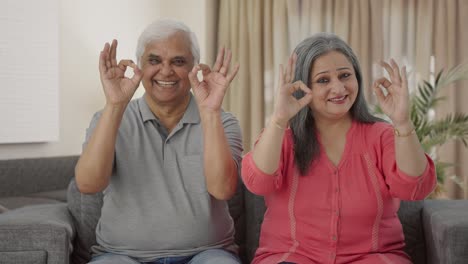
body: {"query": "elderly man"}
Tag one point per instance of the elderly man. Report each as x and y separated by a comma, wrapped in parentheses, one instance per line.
(166, 162)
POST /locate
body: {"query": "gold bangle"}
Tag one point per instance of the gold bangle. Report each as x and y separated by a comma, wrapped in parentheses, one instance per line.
(277, 125)
(399, 134)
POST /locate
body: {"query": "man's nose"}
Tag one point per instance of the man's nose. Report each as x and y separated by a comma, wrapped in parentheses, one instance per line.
(166, 69)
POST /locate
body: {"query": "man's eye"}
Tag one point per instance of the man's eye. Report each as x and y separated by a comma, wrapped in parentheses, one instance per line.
(154, 61)
(179, 62)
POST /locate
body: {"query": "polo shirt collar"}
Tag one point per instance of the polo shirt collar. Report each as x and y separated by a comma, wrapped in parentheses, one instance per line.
(191, 115)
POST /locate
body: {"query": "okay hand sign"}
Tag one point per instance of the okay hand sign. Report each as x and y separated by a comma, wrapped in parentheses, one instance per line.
(395, 104)
(286, 105)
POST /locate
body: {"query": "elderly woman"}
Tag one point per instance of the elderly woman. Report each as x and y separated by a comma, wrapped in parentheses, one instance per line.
(331, 173)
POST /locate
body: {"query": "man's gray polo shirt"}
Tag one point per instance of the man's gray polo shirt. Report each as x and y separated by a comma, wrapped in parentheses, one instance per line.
(157, 204)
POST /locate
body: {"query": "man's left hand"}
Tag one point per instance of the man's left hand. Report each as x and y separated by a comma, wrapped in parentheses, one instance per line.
(210, 92)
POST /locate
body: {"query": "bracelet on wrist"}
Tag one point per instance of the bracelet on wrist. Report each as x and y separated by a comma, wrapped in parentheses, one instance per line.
(278, 125)
(399, 133)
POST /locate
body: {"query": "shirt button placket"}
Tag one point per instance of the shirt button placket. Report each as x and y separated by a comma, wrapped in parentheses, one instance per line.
(332, 257)
(336, 210)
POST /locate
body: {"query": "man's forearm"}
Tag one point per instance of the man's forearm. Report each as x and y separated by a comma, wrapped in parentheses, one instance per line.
(94, 167)
(219, 166)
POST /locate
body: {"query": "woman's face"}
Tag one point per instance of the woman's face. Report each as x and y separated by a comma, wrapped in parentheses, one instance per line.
(334, 86)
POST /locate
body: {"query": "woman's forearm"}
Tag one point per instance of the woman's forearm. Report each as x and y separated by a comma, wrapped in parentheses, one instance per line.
(409, 154)
(266, 153)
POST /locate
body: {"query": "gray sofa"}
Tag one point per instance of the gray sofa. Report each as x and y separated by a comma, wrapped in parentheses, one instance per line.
(42, 225)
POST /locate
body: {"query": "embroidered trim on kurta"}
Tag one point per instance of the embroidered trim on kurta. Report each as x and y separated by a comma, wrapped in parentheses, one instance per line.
(378, 217)
(292, 217)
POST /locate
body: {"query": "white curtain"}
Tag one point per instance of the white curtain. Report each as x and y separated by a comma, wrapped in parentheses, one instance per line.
(262, 33)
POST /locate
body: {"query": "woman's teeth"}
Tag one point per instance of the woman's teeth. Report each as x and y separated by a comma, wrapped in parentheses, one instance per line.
(337, 99)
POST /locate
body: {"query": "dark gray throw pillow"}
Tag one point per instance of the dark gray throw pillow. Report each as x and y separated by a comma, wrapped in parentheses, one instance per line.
(3, 209)
(86, 211)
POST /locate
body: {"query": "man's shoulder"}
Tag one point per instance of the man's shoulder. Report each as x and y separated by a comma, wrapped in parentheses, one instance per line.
(134, 105)
(225, 116)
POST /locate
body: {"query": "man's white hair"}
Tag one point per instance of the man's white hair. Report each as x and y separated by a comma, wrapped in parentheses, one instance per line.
(162, 29)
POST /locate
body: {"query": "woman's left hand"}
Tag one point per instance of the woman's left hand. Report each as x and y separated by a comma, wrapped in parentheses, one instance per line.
(395, 104)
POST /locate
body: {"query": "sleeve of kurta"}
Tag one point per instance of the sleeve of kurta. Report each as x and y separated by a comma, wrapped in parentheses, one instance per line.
(259, 182)
(400, 184)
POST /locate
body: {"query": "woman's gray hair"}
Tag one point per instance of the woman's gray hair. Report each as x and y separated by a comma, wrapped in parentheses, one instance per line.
(162, 29)
(306, 146)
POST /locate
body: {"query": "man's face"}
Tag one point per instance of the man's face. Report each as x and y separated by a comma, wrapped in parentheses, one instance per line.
(166, 64)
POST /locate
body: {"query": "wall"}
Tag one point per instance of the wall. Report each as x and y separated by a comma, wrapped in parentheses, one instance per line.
(85, 26)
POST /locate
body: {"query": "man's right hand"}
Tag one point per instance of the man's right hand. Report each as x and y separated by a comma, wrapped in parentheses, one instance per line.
(118, 89)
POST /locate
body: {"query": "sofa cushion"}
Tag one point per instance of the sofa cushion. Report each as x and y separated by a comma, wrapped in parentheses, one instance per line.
(37, 228)
(237, 211)
(15, 202)
(24, 257)
(446, 231)
(254, 211)
(86, 211)
(410, 215)
(3, 209)
(59, 195)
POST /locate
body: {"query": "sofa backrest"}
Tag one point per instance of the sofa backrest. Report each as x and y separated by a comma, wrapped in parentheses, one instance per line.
(40, 174)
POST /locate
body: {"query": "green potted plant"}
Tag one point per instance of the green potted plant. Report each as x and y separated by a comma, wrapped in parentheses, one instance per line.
(435, 132)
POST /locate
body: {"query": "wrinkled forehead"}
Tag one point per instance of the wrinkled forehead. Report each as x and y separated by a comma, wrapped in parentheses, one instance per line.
(175, 44)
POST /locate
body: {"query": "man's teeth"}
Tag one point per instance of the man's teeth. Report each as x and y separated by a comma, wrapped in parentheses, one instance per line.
(163, 83)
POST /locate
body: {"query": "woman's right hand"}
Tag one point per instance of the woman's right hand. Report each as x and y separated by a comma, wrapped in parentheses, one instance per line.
(286, 105)
(118, 89)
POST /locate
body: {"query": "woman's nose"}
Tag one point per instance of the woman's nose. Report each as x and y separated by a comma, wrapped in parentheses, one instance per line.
(337, 86)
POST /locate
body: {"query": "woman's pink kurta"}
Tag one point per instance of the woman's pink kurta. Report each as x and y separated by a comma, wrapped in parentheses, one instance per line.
(337, 214)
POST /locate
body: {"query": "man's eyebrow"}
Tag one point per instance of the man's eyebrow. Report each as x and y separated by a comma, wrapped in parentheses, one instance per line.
(179, 57)
(154, 56)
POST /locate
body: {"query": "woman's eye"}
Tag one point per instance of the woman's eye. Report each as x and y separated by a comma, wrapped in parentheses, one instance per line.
(345, 75)
(322, 80)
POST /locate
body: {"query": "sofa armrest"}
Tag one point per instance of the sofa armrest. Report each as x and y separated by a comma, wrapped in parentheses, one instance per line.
(30, 232)
(446, 229)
